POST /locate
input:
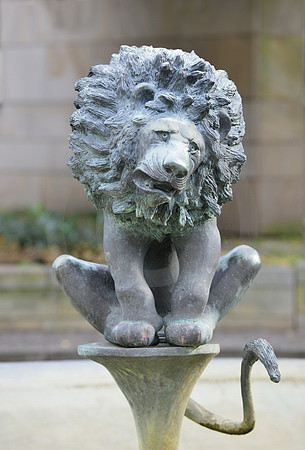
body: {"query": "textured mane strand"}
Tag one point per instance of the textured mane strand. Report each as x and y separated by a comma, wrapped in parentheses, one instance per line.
(139, 85)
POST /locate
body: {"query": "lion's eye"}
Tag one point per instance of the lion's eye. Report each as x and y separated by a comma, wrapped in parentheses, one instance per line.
(164, 135)
(193, 147)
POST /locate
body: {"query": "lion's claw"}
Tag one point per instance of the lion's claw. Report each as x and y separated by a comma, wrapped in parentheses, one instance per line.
(133, 334)
(188, 333)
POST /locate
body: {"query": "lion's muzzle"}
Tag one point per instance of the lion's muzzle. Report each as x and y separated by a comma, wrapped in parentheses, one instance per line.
(165, 169)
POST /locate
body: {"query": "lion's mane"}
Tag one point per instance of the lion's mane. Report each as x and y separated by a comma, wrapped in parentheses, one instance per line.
(109, 116)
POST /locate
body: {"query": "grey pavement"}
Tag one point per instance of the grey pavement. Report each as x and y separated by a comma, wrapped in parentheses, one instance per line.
(75, 405)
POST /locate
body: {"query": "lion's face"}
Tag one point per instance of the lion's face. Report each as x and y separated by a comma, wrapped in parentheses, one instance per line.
(169, 150)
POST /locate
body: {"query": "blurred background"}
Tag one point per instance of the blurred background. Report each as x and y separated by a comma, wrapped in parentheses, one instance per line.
(46, 45)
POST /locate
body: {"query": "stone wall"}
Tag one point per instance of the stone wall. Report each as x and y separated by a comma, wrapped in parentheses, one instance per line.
(31, 299)
(38, 321)
(48, 44)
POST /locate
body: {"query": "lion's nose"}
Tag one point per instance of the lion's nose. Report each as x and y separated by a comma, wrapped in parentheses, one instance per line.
(175, 168)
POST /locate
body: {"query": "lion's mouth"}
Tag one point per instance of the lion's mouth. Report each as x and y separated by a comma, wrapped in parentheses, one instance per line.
(152, 186)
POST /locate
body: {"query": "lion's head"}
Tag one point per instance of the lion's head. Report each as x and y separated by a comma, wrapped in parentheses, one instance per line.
(157, 135)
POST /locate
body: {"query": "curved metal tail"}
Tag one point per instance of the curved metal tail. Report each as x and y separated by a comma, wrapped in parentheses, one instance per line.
(257, 349)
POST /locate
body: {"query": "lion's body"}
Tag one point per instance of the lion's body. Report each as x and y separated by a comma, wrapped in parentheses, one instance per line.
(157, 142)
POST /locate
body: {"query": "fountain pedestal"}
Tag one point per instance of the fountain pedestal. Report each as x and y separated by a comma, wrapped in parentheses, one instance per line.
(157, 382)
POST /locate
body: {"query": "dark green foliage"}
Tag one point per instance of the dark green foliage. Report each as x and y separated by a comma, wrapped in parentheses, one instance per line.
(37, 227)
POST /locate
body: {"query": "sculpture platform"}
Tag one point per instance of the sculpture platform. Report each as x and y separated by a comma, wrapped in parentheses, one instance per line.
(157, 382)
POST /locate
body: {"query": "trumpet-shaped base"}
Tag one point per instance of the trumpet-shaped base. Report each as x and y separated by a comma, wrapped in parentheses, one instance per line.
(157, 382)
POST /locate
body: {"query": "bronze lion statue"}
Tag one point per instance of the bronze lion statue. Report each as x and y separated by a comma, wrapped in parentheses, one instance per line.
(157, 143)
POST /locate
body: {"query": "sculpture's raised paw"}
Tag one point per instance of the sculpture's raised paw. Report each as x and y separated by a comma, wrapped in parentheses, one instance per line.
(188, 333)
(132, 334)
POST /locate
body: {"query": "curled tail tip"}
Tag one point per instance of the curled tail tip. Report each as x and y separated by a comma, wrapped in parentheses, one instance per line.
(261, 349)
(276, 378)
(274, 374)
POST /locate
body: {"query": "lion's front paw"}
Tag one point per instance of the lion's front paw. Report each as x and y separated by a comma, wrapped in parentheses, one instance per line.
(133, 334)
(188, 333)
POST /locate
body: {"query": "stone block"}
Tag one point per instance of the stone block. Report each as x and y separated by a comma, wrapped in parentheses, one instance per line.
(244, 196)
(269, 302)
(30, 299)
(280, 65)
(274, 120)
(29, 21)
(1, 76)
(30, 76)
(34, 157)
(94, 52)
(66, 317)
(241, 215)
(228, 221)
(24, 21)
(278, 277)
(39, 310)
(280, 17)
(250, 108)
(30, 121)
(49, 72)
(16, 278)
(59, 153)
(278, 160)
(173, 18)
(18, 190)
(301, 299)
(300, 270)
(26, 311)
(279, 201)
(279, 120)
(252, 166)
(60, 192)
(232, 54)
(203, 18)
(56, 190)
(18, 156)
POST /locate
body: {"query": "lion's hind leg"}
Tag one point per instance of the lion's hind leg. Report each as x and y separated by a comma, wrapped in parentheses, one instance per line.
(89, 287)
(234, 275)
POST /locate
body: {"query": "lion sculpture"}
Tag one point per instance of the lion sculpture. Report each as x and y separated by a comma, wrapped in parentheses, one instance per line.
(157, 142)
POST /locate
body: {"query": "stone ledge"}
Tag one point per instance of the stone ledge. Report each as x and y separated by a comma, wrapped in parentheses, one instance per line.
(37, 345)
(31, 300)
(15, 277)
(37, 276)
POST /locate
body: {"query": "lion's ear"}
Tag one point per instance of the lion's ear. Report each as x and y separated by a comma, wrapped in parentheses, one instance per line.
(143, 92)
(224, 125)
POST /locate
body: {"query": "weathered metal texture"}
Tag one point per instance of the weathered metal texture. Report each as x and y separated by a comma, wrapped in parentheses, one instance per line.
(256, 350)
(90, 288)
(157, 142)
(157, 139)
(157, 383)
